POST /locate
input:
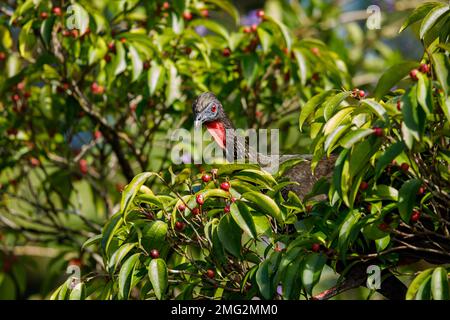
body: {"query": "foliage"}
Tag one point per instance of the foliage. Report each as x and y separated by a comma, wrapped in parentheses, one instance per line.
(91, 106)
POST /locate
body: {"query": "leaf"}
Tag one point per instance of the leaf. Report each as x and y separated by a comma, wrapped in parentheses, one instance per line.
(136, 63)
(265, 203)
(157, 272)
(250, 68)
(27, 41)
(439, 284)
(354, 136)
(340, 117)
(388, 155)
(377, 108)
(440, 66)
(346, 231)
(228, 7)
(119, 64)
(265, 38)
(331, 139)
(78, 292)
(423, 92)
(283, 29)
(118, 256)
(415, 284)
(311, 270)
(109, 230)
(332, 103)
(156, 76)
(46, 30)
(91, 241)
(154, 235)
(131, 190)
(126, 275)
(309, 107)
(432, 18)
(418, 13)
(407, 197)
(173, 88)
(230, 235)
(212, 26)
(78, 18)
(302, 67)
(391, 76)
(424, 291)
(263, 279)
(243, 218)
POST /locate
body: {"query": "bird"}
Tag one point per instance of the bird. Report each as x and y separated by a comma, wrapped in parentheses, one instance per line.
(208, 111)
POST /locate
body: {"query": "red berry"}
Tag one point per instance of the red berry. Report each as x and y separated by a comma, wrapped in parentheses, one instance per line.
(16, 97)
(57, 11)
(315, 247)
(74, 33)
(112, 47)
(187, 15)
(424, 68)
(247, 30)
(27, 94)
(210, 273)
(361, 93)
(182, 207)
(413, 74)
(315, 51)
(123, 40)
(233, 199)
(44, 15)
(206, 178)
(399, 105)
(196, 211)
(260, 14)
(226, 52)
(34, 162)
(20, 86)
(83, 165)
(225, 186)
(378, 132)
(204, 13)
(188, 50)
(404, 167)
(179, 226)
(199, 199)
(383, 226)
(146, 65)
(97, 134)
(2, 56)
(421, 190)
(415, 215)
(107, 58)
(254, 27)
(166, 5)
(226, 209)
(154, 254)
(66, 33)
(363, 186)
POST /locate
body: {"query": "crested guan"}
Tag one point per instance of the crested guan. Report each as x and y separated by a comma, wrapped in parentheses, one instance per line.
(208, 111)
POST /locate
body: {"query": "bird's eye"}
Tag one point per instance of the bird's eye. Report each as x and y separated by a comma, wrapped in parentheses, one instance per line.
(213, 108)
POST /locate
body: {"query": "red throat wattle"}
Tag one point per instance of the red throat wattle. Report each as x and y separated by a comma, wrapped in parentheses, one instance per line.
(217, 130)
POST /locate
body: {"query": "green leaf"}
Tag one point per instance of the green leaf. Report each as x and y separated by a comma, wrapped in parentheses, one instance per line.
(243, 218)
(332, 103)
(311, 270)
(212, 26)
(157, 272)
(91, 241)
(311, 106)
(388, 155)
(407, 197)
(423, 92)
(109, 230)
(417, 282)
(263, 279)
(126, 275)
(118, 256)
(173, 88)
(390, 78)
(250, 68)
(27, 41)
(136, 63)
(302, 67)
(131, 190)
(156, 76)
(439, 284)
(265, 203)
(346, 231)
(228, 7)
(46, 30)
(432, 18)
(377, 108)
(154, 235)
(418, 13)
(119, 64)
(78, 18)
(440, 66)
(78, 292)
(283, 29)
(230, 235)
(340, 117)
(354, 136)
(333, 137)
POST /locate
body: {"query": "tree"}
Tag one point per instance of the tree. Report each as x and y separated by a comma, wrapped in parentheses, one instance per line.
(92, 91)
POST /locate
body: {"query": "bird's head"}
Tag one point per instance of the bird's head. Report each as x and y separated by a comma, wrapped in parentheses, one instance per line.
(207, 108)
